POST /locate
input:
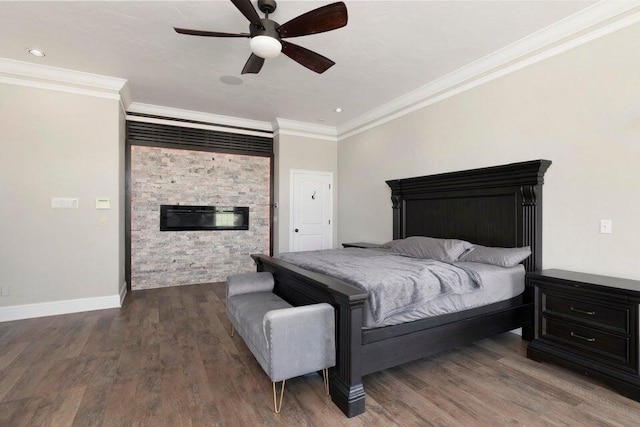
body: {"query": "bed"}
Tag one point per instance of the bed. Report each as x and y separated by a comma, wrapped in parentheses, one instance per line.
(405, 287)
(497, 206)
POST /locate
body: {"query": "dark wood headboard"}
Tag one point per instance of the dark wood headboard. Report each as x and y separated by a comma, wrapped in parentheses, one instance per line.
(494, 206)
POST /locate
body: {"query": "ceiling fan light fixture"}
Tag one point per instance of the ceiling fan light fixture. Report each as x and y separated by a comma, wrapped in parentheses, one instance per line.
(265, 47)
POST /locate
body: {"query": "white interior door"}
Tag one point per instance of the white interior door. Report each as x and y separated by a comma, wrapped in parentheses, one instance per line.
(311, 210)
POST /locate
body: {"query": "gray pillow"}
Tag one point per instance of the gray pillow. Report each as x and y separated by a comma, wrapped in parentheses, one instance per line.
(503, 257)
(445, 250)
(390, 243)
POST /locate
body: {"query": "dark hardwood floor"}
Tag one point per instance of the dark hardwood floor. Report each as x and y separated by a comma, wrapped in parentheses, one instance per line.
(166, 359)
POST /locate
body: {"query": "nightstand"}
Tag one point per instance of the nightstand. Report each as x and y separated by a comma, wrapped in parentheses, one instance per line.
(588, 323)
(363, 245)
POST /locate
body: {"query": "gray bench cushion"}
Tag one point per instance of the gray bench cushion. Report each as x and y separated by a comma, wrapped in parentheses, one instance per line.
(301, 340)
(253, 307)
(249, 283)
(286, 341)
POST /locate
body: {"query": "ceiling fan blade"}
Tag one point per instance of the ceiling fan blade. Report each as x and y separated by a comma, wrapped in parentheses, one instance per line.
(249, 12)
(209, 33)
(308, 58)
(325, 18)
(254, 65)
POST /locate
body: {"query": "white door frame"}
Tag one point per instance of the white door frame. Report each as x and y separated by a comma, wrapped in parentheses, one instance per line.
(291, 195)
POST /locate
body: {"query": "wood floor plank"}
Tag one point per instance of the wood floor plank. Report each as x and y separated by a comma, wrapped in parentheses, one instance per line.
(10, 352)
(29, 381)
(121, 402)
(65, 412)
(8, 379)
(166, 358)
(21, 412)
(92, 407)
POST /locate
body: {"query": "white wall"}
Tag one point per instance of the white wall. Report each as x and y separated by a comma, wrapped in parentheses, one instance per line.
(580, 109)
(57, 144)
(296, 152)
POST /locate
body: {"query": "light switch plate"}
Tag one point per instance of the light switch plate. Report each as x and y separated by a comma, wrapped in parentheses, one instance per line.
(64, 203)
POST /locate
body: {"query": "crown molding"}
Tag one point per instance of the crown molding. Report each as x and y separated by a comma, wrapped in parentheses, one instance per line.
(198, 116)
(589, 24)
(125, 98)
(304, 129)
(60, 79)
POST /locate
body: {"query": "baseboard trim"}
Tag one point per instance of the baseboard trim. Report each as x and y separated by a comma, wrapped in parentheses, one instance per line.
(55, 308)
(123, 292)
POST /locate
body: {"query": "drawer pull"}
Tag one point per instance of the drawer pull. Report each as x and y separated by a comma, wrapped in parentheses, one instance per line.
(589, 313)
(582, 338)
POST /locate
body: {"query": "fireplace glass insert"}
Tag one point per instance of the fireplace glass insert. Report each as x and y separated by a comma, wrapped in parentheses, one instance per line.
(182, 217)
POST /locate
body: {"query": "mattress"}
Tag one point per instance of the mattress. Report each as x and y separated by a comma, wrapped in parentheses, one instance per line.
(499, 284)
(403, 289)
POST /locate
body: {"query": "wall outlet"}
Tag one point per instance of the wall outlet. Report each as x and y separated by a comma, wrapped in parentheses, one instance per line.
(606, 226)
(4, 291)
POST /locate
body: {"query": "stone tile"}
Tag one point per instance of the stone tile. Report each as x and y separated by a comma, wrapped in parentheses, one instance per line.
(161, 176)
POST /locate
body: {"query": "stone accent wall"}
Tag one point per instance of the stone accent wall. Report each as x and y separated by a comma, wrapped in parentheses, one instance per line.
(161, 176)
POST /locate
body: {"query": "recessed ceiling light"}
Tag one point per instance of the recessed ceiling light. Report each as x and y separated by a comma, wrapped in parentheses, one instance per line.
(338, 110)
(36, 52)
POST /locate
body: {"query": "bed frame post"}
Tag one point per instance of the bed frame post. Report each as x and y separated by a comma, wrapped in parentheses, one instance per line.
(302, 287)
(531, 219)
(345, 384)
(396, 202)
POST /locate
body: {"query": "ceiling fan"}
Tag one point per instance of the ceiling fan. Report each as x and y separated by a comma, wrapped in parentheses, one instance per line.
(266, 36)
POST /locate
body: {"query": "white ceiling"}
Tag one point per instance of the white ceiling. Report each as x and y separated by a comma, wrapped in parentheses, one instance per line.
(388, 49)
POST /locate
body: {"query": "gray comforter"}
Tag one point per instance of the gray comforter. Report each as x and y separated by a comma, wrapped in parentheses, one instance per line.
(394, 283)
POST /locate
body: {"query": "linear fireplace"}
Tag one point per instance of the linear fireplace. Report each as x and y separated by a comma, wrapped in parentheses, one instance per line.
(184, 218)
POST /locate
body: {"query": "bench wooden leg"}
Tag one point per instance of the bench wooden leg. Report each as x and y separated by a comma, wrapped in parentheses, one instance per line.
(277, 406)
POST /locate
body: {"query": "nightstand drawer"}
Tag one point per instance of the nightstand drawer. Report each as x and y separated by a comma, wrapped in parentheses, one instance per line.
(588, 323)
(601, 345)
(616, 318)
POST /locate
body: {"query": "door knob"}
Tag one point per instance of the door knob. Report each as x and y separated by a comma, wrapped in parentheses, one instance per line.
(296, 230)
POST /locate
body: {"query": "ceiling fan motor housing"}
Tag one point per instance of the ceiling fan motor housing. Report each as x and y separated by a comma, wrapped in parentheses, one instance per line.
(268, 29)
(267, 6)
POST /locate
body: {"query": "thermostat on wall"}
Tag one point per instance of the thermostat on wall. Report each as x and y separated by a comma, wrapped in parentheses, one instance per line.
(103, 203)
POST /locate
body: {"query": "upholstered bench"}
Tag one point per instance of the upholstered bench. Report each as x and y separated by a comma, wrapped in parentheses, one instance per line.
(286, 341)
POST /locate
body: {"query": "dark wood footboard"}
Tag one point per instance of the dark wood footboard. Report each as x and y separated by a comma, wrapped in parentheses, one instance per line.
(302, 287)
